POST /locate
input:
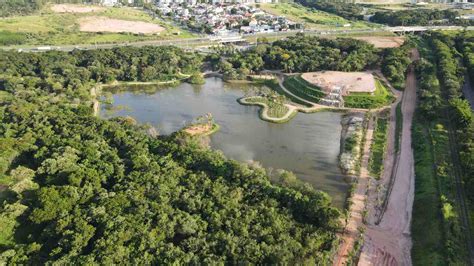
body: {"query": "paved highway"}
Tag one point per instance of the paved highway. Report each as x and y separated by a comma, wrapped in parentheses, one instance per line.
(210, 40)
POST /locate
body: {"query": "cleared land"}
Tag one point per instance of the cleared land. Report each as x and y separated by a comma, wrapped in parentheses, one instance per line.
(103, 24)
(71, 8)
(348, 82)
(383, 42)
(52, 28)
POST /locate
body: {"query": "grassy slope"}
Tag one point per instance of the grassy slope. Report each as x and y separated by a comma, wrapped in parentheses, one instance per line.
(310, 17)
(273, 84)
(381, 97)
(301, 88)
(47, 27)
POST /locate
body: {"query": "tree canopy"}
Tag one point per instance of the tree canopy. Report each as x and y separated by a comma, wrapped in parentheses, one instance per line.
(76, 189)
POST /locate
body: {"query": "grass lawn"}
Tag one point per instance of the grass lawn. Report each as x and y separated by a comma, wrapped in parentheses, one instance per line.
(49, 28)
(311, 18)
(381, 97)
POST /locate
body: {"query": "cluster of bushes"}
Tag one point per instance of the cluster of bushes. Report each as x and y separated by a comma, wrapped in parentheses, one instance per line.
(12, 38)
(343, 9)
(80, 190)
(378, 147)
(416, 17)
(19, 7)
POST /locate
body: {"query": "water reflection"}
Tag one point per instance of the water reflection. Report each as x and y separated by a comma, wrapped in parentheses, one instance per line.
(308, 145)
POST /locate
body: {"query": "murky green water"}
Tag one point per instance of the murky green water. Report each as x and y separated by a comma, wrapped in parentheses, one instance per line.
(308, 145)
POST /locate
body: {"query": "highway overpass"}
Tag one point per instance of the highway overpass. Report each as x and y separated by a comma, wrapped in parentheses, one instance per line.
(191, 43)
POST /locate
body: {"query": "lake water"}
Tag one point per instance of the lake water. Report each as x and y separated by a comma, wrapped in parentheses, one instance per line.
(308, 145)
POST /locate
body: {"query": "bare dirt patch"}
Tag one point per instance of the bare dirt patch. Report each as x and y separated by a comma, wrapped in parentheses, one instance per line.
(71, 8)
(103, 24)
(348, 82)
(199, 129)
(383, 42)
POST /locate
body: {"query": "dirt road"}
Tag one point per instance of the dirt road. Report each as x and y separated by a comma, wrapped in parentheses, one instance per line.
(389, 242)
(351, 233)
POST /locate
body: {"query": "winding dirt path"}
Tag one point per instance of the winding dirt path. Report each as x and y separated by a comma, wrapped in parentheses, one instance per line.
(389, 242)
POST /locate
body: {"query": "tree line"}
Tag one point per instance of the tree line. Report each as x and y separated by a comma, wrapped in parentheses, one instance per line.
(76, 189)
(443, 110)
(343, 9)
(297, 54)
(419, 17)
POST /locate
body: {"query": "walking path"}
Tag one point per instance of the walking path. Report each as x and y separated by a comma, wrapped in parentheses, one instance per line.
(389, 242)
(351, 232)
(378, 253)
(293, 108)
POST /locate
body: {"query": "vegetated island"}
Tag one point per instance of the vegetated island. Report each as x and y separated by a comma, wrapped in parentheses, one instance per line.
(204, 126)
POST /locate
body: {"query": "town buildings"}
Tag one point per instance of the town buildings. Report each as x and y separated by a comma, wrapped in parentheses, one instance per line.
(223, 18)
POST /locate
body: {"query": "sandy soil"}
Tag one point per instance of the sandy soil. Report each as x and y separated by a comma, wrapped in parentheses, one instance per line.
(383, 42)
(103, 24)
(71, 8)
(347, 81)
(198, 129)
(389, 242)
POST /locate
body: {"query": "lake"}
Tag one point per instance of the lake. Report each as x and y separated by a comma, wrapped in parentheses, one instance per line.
(308, 145)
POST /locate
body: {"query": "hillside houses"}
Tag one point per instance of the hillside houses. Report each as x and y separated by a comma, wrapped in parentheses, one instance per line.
(222, 19)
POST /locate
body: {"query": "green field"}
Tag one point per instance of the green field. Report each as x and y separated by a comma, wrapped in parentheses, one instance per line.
(311, 18)
(378, 147)
(381, 97)
(426, 206)
(49, 28)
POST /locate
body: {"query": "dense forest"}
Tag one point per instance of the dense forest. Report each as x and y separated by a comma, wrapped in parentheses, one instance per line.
(444, 152)
(418, 17)
(298, 54)
(346, 10)
(78, 189)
